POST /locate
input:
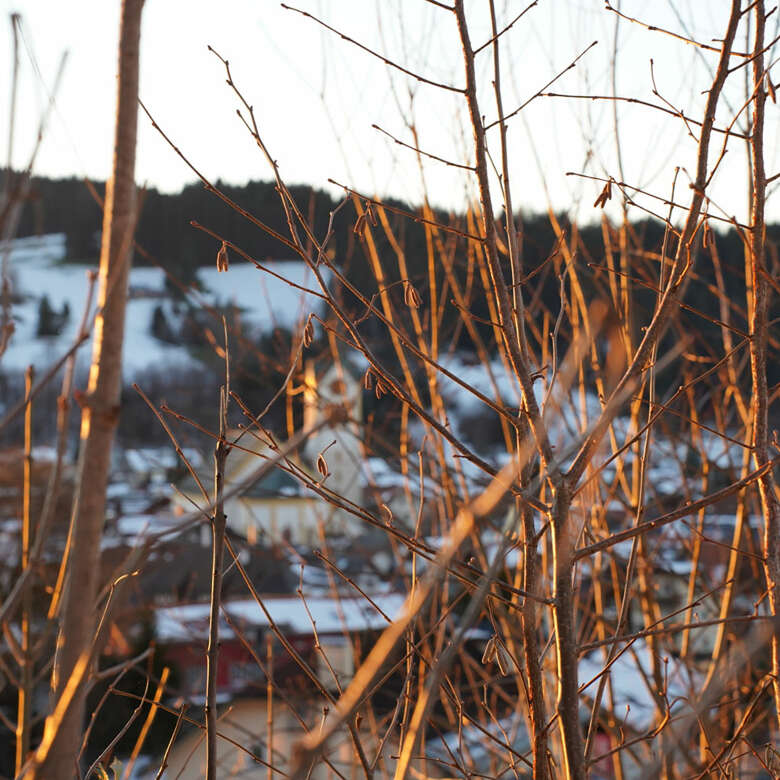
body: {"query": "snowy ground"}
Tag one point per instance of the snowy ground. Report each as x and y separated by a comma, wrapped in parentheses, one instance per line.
(36, 269)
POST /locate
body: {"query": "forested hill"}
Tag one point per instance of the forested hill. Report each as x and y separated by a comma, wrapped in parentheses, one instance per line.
(165, 231)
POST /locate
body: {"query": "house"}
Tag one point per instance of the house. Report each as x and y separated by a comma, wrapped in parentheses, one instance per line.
(145, 466)
(182, 632)
(343, 623)
(245, 725)
(278, 508)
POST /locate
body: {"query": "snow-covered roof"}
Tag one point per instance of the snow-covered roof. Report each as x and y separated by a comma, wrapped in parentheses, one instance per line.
(477, 750)
(139, 526)
(629, 687)
(189, 622)
(628, 676)
(142, 460)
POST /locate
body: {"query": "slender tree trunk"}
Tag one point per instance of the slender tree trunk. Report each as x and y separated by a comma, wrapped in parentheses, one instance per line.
(24, 707)
(531, 651)
(759, 331)
(217, 556)
(100, 407)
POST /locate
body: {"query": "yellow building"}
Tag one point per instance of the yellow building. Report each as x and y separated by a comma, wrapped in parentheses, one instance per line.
(278, 508)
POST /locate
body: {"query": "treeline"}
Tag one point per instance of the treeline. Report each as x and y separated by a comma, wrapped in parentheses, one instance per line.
(166, 233)
(165, 227)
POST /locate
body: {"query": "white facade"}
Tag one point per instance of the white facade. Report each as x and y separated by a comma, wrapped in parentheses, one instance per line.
(279, 509)
(340, 443)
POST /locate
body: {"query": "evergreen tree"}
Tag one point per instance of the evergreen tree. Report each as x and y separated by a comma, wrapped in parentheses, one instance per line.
(50, 321)
(161, 328)
(47, 325)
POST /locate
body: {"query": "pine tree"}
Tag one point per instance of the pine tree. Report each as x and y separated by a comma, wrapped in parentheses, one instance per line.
(46, 318)
(160, 327)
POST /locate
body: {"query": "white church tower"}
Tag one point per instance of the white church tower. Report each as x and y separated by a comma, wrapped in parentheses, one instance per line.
(336, 383)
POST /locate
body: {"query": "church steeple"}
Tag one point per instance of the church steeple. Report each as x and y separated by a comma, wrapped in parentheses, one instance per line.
(336, 383)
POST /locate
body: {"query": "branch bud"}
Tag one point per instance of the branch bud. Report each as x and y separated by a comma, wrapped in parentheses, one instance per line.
(222, 258)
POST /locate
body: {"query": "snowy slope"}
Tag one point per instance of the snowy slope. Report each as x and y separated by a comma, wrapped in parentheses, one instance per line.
(37, 270)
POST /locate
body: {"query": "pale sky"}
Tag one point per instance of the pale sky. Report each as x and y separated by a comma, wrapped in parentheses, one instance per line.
(316, 96)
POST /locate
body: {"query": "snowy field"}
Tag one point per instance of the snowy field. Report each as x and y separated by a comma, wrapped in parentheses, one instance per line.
(36, 269)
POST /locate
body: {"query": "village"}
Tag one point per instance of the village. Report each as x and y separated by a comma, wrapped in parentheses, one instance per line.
(310, 584)
(389, 391)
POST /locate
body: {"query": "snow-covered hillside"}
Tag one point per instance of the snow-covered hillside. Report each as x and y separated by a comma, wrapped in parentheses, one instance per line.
(37, 269)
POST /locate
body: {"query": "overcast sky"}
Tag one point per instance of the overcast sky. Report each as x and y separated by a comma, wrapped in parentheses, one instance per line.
(317, 96)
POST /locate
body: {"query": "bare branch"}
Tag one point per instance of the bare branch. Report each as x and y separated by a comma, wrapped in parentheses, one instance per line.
(373, 53)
